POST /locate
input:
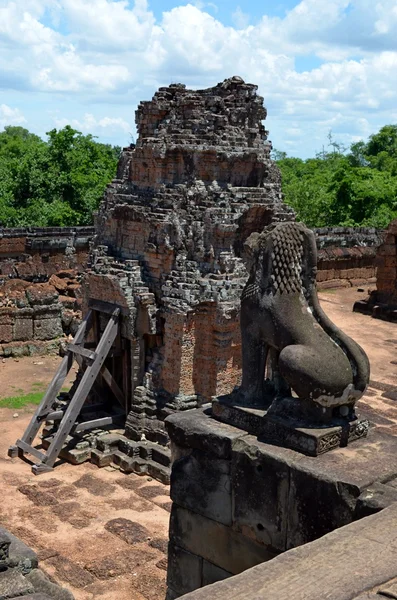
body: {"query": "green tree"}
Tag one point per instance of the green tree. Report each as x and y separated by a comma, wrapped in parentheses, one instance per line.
(358, 187)
(58, 182)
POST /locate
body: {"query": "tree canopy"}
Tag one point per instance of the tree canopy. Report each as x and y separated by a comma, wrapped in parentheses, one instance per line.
(345, 187)
(60, 181)
(57, 182)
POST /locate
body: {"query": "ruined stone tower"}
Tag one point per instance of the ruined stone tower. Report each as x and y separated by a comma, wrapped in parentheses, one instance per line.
(170, 233)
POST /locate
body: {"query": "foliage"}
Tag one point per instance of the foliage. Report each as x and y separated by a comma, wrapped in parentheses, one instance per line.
(60, 181)
(22, 400)
(57, 182)
(344, 187)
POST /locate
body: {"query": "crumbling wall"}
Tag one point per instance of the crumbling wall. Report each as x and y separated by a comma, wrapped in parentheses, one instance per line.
(346, 255)
(40, 299)
(382, 302)
(171, 230)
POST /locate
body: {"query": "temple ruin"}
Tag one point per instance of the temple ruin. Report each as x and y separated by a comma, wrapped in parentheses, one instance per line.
(168, 256)
(170, 233)
(382, 302)
(274, 469)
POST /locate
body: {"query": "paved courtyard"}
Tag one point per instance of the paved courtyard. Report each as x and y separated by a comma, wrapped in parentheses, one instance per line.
(103, 534)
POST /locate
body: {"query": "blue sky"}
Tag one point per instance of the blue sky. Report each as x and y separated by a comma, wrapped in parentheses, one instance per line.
(320, 66)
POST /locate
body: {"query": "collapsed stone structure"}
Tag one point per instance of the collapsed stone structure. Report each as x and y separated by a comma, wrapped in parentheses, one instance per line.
(20, 576)
(40, 272)
(382, 302)
(170, 234)
(168, 253)
(42, 267)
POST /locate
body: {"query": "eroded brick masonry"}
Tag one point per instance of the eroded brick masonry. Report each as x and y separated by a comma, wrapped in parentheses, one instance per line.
(171, 230)
(40, 286)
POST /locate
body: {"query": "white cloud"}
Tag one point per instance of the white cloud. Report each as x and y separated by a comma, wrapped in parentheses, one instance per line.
(91, 124)
(10, 116)
(240, 19)
(111, 51)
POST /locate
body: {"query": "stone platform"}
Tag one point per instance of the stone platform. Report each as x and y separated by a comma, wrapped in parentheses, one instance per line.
(238, 502)
(104, 447)
(356, 562)
(289, 432)
(20, 577)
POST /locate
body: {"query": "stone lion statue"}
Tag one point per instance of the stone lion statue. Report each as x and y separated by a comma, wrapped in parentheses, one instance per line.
(290, 348)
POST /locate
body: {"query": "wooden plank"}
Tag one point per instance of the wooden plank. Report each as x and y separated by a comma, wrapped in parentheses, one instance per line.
(107, 307)
(101, 422)
(56, 384)
(41, 468)
(55, 416)
(27, 448)
(81, 351)
(107, 376)
(83, 389)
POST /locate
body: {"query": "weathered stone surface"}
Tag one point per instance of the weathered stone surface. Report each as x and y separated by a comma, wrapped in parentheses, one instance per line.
(43, 254)
(287, 336)
(322, 493)
(261, 485)
(339, 566)
(203, 485)
(280, 498)
(375, 498)
(212, 573)
(20, 555)
(389, 589)
(47, 329)
(130, 532)
(13, 584)
(196, 430)
(5, 542)
(42, 584)
(382, 302)
(185, 572)
(215, 542)
(35, 597)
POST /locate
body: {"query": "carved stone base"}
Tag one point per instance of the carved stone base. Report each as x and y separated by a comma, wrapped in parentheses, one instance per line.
(310, 439)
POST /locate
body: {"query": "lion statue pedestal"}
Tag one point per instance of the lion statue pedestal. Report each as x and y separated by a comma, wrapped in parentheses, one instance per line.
(302, 376)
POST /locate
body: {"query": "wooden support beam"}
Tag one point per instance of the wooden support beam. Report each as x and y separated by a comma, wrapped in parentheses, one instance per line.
(84, 387)
(56, 384)
(101, 422)
(27, 448)
(57, 415)
(81, 351)
(107, 376)
(107, 307)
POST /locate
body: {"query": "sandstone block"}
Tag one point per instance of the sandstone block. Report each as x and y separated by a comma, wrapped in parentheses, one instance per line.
(47, 329)
(23, 329)
(260, 484)
(20, 555)
(41, 294)
(197, 430)
(212, 573)
(6, 333)
(184, 570)
(216, 543)
(13, 584)
(43, 585)
(203, 486)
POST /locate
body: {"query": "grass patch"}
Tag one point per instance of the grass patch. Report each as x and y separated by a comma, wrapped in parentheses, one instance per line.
(38, 384)
(21, 401)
